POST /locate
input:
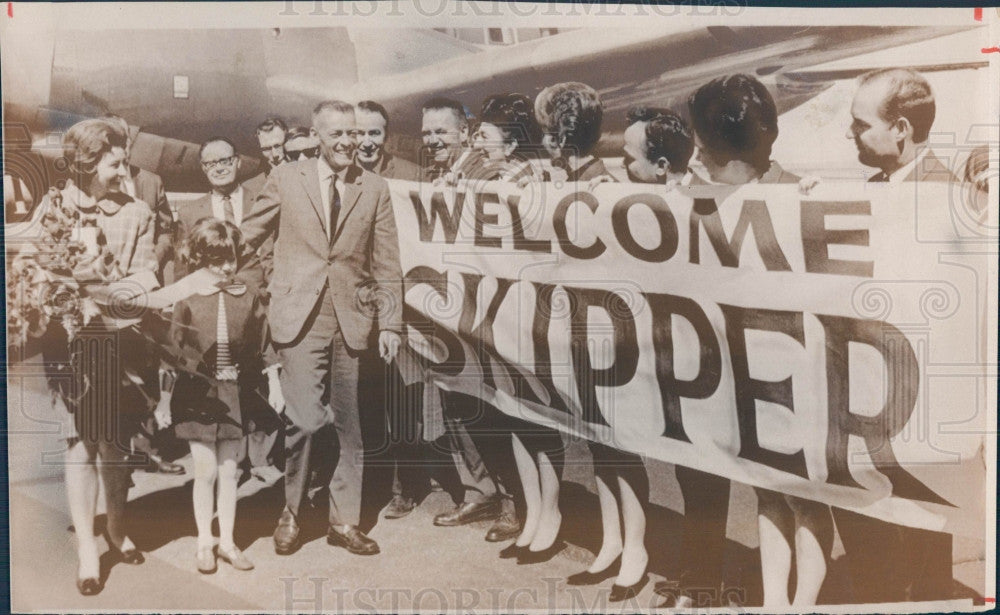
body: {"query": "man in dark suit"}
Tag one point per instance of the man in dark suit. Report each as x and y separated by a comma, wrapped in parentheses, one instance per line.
(445, 133)
(658, 147)
(403, 402)
(373, 126)
(892, 114)
(230, 202)
(147, 187)
(271, 135)
(336, 286)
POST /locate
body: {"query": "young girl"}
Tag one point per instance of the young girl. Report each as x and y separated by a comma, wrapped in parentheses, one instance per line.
(219, 340)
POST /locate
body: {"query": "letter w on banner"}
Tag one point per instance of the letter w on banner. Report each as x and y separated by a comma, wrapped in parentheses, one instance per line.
(833, 347)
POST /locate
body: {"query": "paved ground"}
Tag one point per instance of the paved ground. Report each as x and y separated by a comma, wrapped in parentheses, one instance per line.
(420, 567)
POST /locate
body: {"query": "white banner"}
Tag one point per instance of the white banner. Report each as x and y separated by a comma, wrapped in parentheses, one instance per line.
(831, 346)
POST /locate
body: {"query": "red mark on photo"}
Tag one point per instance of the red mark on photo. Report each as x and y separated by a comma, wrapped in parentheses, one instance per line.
(991, 600)
(991, 50)
(10, 10)
(978, 13)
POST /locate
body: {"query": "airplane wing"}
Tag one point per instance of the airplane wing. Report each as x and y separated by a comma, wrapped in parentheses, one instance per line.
(226, 81)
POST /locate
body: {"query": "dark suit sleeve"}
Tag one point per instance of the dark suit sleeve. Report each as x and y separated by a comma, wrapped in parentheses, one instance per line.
(164, 226)
(262, 221)
(265, 348)
(385, 264)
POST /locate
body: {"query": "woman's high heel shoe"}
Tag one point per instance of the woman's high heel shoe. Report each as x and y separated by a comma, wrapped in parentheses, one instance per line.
(537, 557)
(593, 578)
(621, 593)
(89, 587)
(512, 550)
(132, 557)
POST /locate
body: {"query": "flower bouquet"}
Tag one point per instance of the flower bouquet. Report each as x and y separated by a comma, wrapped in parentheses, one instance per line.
(47, 282)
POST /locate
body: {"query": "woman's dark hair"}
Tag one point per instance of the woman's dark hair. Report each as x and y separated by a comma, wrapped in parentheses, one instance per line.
(514, 115)
(86, 142)
(736, 119)
(667, 136)
(211, 242)
(575, 117)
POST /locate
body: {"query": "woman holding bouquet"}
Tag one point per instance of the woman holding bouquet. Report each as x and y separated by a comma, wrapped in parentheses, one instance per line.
(118, 235)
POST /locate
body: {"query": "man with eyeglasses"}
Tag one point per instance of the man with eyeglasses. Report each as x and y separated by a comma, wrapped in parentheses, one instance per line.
(373, 125)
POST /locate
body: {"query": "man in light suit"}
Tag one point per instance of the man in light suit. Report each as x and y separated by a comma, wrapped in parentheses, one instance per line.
(336, 285)
(229, 201)
(892, 114)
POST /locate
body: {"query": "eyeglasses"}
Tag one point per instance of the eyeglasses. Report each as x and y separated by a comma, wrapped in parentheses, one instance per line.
(226, 162)
(272, 148)
(308, 152)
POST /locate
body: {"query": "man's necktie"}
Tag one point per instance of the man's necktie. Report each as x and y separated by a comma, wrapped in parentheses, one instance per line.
(227, 209)
(334, 206)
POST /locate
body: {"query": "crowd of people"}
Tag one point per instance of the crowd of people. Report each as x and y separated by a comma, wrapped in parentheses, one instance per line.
(298, 314)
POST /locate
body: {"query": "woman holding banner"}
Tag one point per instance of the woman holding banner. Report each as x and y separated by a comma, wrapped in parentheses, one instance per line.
(570, 114)
(117, 234)
(735, 124)
(505, 136)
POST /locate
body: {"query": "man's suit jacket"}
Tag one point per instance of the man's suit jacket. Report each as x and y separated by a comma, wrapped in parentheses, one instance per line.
(149, 188)
(256, 183)
(359, 267)
(393, 167)
(252, 270)
(929, 169)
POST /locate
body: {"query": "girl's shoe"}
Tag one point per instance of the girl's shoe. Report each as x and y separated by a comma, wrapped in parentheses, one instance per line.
(235, 558)
(206, 560)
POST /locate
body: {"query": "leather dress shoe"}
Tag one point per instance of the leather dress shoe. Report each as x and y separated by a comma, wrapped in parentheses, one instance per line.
(132, 557)
(153, 464)
(506, 527)
(165, 467)
(353, 539)
(467, 512)
(593, 578)
(621, 593)
(511, 551)
(89, 587)
(537, 557)
(399, 507)
(286, 535)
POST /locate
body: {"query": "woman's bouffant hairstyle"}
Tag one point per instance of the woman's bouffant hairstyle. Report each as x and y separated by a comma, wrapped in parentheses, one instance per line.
(86, 142)
(514, 115)
(572, 112)
(211, 242)
(736, 119)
